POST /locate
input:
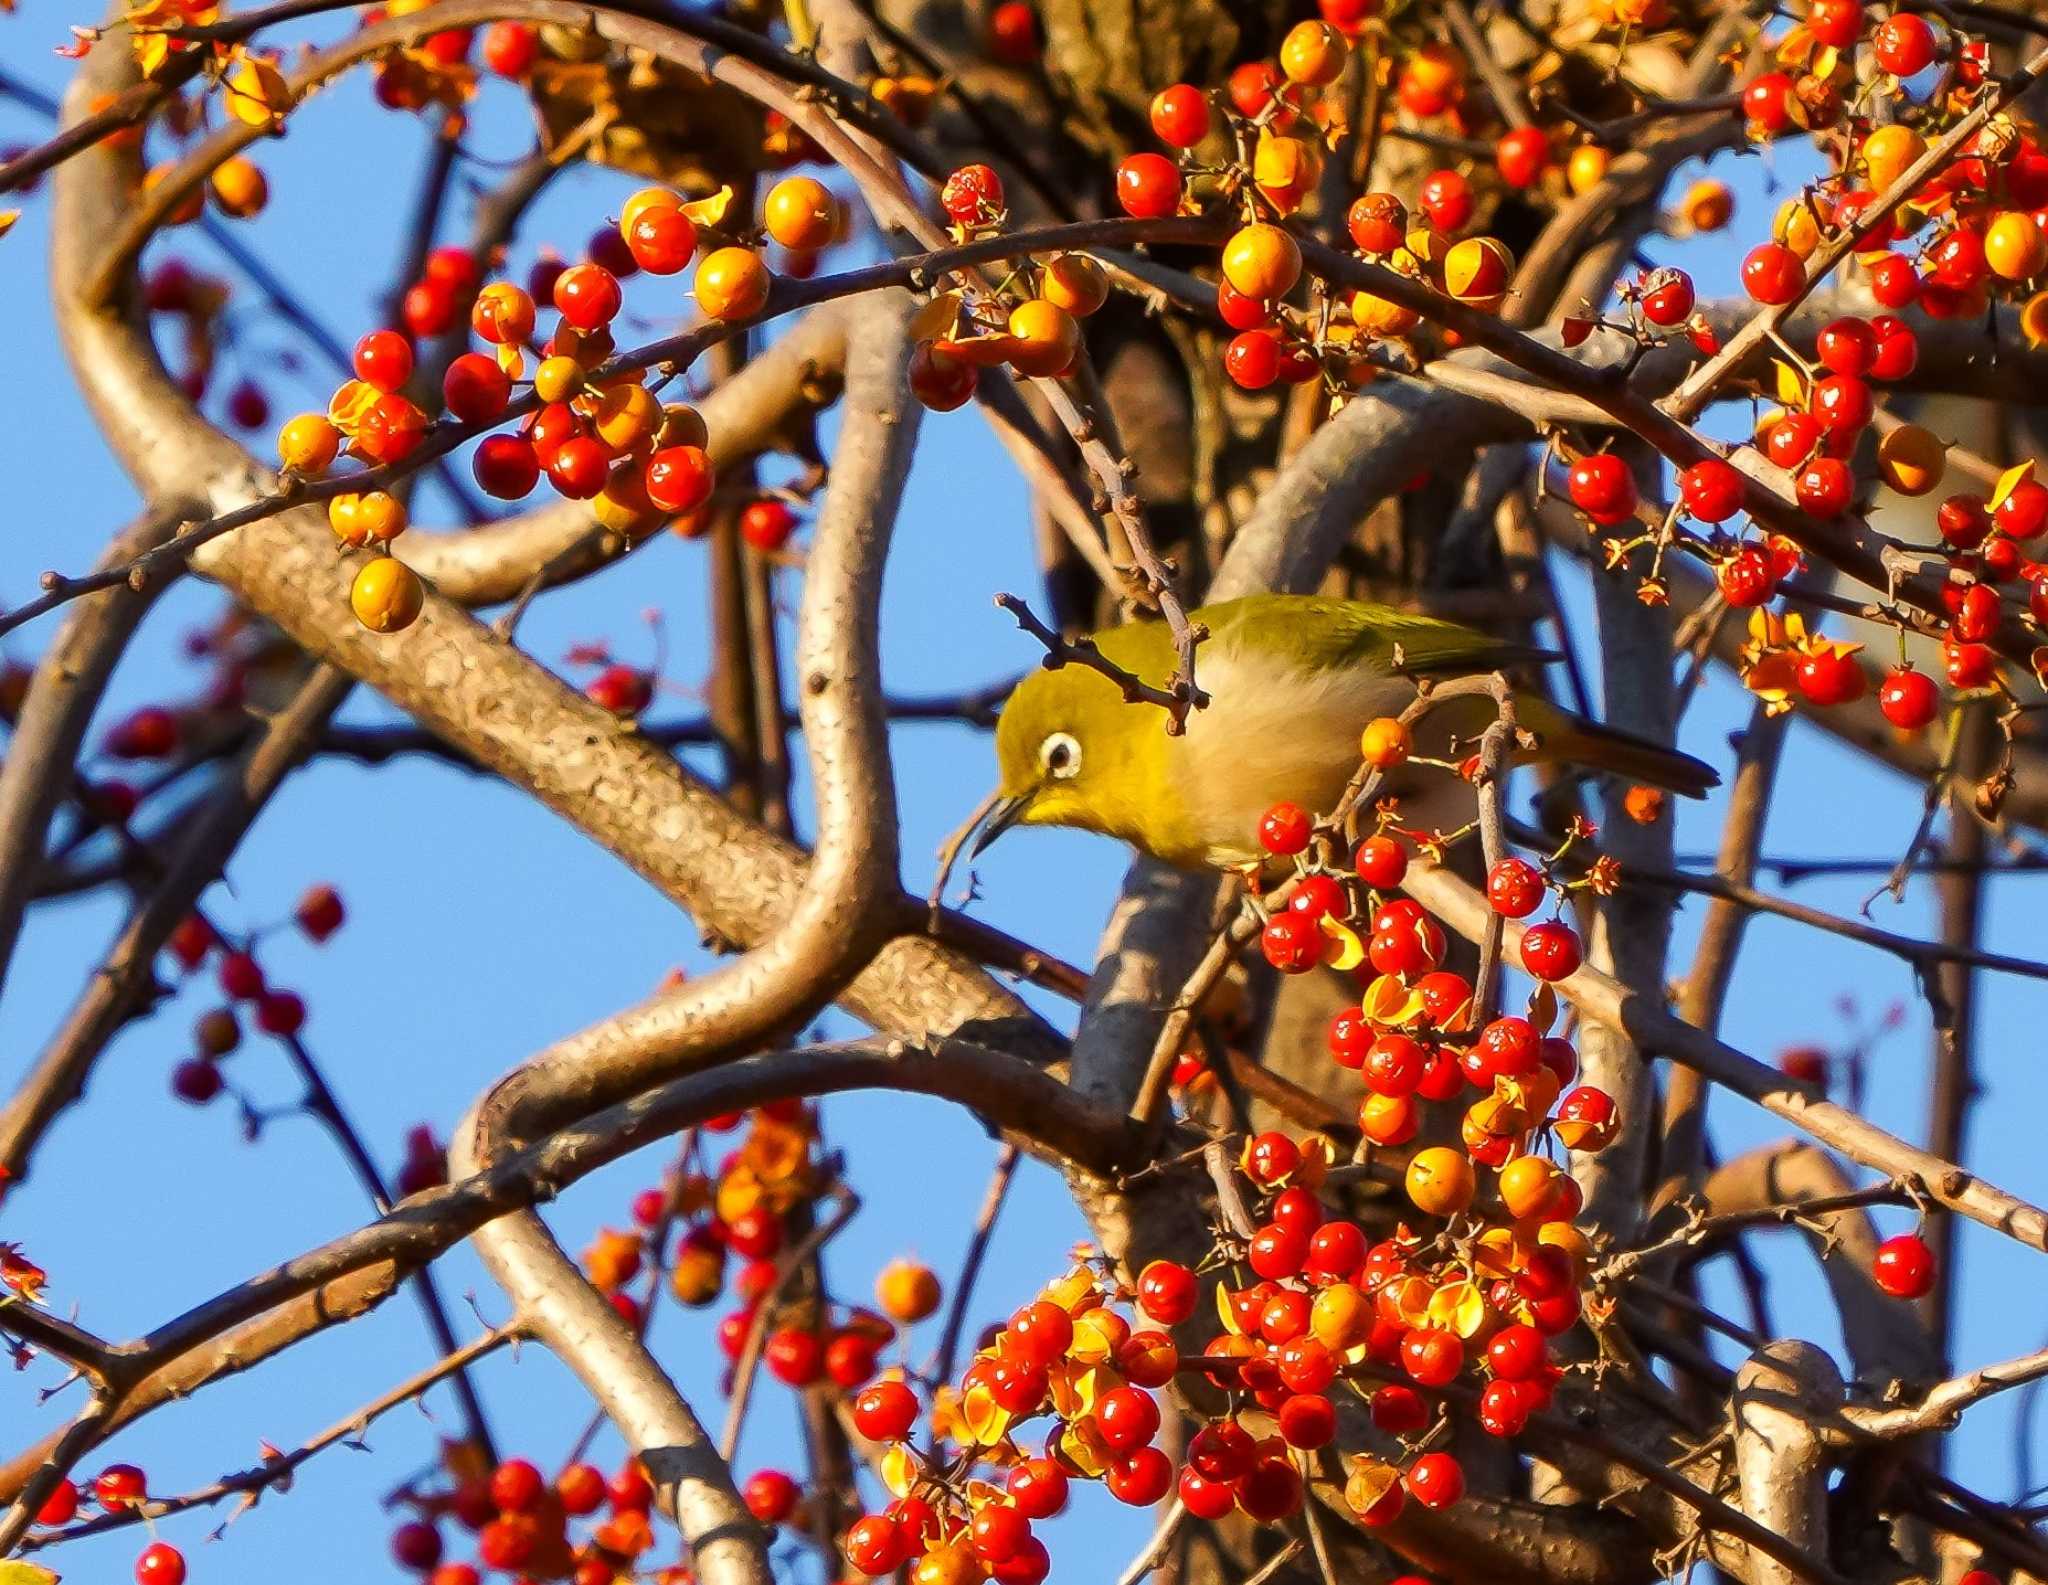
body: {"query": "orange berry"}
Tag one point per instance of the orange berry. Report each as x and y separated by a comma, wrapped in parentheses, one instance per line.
(1075, 282)
(239, 187)
(732, 283)
(387, 595)
(1911, 459)
(1049, 338)
(1313, 53)
(308, 444)
(1440, 1180)
(557, 379)
(800, 212)
(1261, 261)
(1386, 742)
(907, 1292)
(2014, 246)
(1528, 1186)
(1586, 168)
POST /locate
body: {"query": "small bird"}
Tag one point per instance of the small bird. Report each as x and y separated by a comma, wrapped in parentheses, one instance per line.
(1293, 680)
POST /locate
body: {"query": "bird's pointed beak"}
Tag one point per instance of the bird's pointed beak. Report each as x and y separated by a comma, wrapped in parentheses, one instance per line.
(1002, 814)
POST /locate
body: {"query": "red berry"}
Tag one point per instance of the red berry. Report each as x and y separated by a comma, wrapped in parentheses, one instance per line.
(416, 1546)
(1893, 280)
(662, 239)
(1446, 197)
(1292, 943)
(160, 1564)
(587, 296)
(1824, 487)
(770, 1495)
(2023, 513)
(1897, 348)
(516, 1485)
(1836, 22)
(1436, 1480)
(972, 194)
(197, 1081)
(579, 467)
(1551, 951)
(1148, 186)
(1252, 359)
(1602, 487)
(1013, 33)
(1520, 156)
(383, 358)
(506, 467)
(241, 976)
(1909, 699)
(475, 389)
(678, 479)
(1140, 1479)
(510, 48)
(1038, 1487)
(1766, 102)
(1378, 223)
(1903, 44)
(281, 1013)
(885, 1412)
(61, 1506)
(1772, 273)
(1126, 1418)
(429, 308)
(1846, 346)
(1667, 297)
(1828, 678)
(1711, 490)
(874, 1545)
(1747, 578)
(1904, 1267)
(1166, 1292)
(767, 525)
(580, 1489)
(1180, 116)
(1842, 403)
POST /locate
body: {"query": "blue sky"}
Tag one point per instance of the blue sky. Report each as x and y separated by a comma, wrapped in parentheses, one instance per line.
(480, 928)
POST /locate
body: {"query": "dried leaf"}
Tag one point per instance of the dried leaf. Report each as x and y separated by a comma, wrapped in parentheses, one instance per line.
(937, 320)
(710, 211)
(256, 93)
(1342, 950)
(898, 1470)
(2011, 480)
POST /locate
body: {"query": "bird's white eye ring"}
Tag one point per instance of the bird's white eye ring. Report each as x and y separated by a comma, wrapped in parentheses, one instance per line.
(1060, 756)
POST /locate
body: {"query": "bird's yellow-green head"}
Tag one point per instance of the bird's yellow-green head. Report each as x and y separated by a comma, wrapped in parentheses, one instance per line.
(1072, 752)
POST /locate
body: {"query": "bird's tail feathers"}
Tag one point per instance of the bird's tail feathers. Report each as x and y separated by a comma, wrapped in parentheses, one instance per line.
(1576, 741)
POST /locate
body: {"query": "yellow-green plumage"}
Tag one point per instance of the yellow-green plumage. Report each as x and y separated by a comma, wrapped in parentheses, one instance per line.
(1292, 679)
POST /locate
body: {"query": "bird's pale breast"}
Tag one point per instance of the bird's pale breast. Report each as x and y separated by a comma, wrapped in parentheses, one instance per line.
(1271, 732)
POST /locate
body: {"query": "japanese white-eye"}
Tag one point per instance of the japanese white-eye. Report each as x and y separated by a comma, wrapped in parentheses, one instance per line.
(1293, 680)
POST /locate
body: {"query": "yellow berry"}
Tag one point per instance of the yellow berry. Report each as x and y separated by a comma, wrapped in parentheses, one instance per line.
(1586, 168)
(1075, 282)
(1313, 53)
(239, 187)
(1262, 261)
(308, 444)
(387, 595)
(1047, 337)
(557, 379)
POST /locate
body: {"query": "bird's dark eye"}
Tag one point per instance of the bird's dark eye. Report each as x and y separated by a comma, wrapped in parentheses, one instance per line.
(1060, 756)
